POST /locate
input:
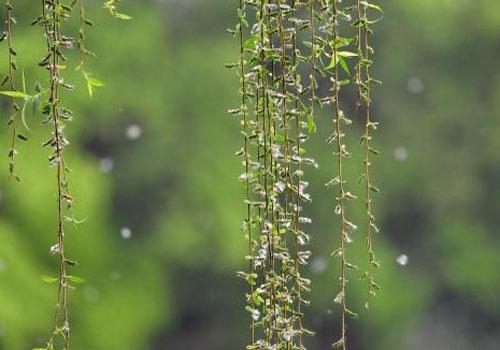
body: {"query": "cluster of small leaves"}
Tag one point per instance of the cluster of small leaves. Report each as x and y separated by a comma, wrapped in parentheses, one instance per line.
(111, 6)
(20, 99)
(277, 114)
(364, 81)
(84, 52)
(276, 119)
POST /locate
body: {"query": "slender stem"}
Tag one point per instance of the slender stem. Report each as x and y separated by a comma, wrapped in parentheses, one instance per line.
(371, 263)
(51, 22)
(266, 124)
(358, 76)
(296, 213)
(313, 58)
(341, 194)
(9, 20)
(284, 126)
(81, 32)
(247, 161)
(274, 176)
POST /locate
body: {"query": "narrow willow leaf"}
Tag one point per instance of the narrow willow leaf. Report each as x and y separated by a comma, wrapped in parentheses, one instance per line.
(351, 313)
(122, 16)
(92, 83)
(75, 279)
(372, 6)
(23, 115)
(311, 125)
(15, 94)
(49, 279)
(338, 344)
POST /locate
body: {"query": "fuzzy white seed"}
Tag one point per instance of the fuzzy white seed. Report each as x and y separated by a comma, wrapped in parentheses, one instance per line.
(403, 260)
(126, 232)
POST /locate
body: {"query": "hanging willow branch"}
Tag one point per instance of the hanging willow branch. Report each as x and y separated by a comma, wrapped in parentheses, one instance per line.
(246, 177)
(9, 80)
(336, 15)
(277, 113)
(282, 176)
(250, 80)
(52, 31)
(83, 21)
(303, 122)
(341, 297)
(272, 151)
(112, 6)
(84, 52)
(273, 158)
(51, 20)
(364, 82)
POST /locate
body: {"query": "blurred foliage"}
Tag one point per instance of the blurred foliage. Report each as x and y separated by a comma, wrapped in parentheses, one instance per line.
(172, 284)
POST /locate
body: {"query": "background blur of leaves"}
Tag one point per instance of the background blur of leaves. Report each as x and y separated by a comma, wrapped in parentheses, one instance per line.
(171, 285)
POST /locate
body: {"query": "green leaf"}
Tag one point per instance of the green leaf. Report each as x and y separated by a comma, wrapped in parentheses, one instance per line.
(36, 103)
(340, 58)
(372, 6)
(70, 262)
(344, 65)
(24, 81)
(346, 54)
(92, 82)
(49, 279)
(311, 126)
(96, 82)
(251, 43)
(15, 94)
(23, 115)
(75, 279)
(280, 138)
(122, 16)
(338, 344)
(351, 313)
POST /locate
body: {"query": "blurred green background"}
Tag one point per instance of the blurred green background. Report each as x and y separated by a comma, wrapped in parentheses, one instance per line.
(155, 177)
